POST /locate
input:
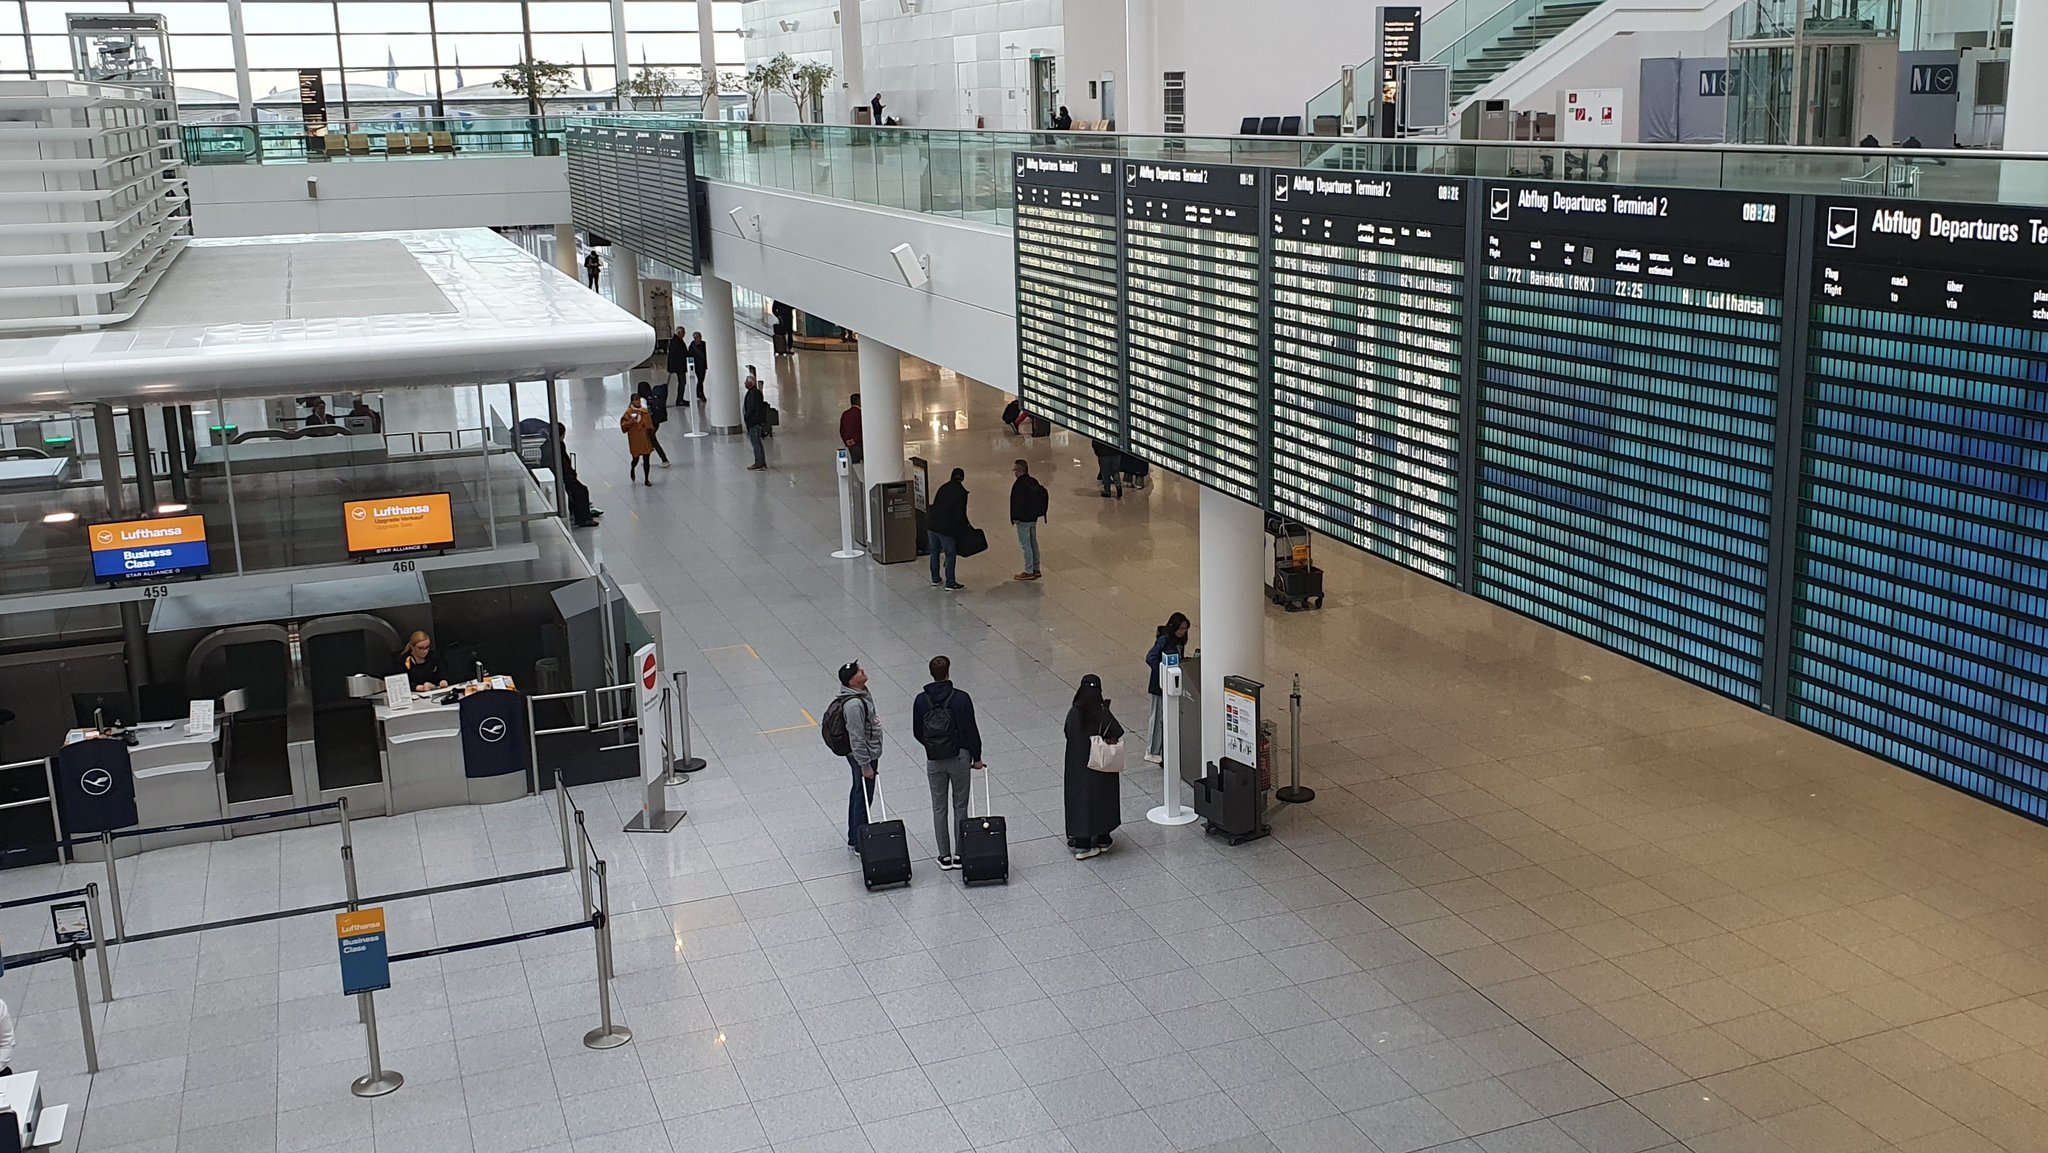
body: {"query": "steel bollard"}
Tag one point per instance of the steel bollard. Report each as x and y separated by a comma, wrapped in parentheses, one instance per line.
(99, 943)
(379, 1080)
(688, 763)
(607, 1035)
(562, 806)
(114, 888)
(92, 1050)
(1293, 792)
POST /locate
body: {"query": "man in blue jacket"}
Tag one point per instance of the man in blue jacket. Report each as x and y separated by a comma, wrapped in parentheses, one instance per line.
(943, 719)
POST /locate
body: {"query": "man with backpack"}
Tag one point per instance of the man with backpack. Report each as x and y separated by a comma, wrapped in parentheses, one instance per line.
(852, 730)
(1028, 505)
(943, 719)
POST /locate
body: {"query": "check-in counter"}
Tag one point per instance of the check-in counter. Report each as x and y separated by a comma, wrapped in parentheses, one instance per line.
(424, 761)
(177, 781)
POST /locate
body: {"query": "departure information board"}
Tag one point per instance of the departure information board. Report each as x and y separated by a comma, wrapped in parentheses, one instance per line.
(1628, 414)
(1368, 291)
(634, 186)
(1920, 624)
(1069, 342)
(1191, 315)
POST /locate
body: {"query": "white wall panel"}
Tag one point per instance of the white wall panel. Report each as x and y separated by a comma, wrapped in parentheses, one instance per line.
(369, 196)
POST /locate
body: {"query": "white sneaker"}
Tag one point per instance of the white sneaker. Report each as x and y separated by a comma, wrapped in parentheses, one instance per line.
(1084, 854)
(1154, 759)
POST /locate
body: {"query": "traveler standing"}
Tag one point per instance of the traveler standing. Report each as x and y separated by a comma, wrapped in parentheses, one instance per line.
(698, 359)
(656, 400)
(943, 719)
(678, 362)
(944, 520)
(1108, 462)
(754, 414)
(785, 329)
(1064, 122)
(591, 267)
(1093, 807)
(1172, 638)
(638, 425)
(863, 735)
(850, 434)
(1029, 503)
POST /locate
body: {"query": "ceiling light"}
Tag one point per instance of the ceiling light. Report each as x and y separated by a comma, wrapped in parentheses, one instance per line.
(171, 507)
(59, 517)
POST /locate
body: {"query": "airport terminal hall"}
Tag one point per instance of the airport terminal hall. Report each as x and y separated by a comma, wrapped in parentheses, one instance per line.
(1455, 576)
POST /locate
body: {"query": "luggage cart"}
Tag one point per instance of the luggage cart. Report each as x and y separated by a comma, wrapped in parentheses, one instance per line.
(1294, 580)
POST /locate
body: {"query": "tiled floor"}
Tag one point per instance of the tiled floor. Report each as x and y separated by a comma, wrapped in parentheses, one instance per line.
(1545, 901)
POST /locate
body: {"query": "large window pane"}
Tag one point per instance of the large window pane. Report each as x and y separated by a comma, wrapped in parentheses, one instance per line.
(292, 53)
(364, 16)
(201, 54)
(188, 19)
(573, 48)
(475, 16)
(284, 16)
(570, 16)
(661, 16)
(483, 55)
(46, 17)
(732, 51)
(668, 50)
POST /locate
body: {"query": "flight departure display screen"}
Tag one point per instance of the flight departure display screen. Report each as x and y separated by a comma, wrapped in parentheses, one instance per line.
(1191, 316)
(1069, 344)
(1367, 353)
(1920, 619)
(1629, 368)
(633, 186)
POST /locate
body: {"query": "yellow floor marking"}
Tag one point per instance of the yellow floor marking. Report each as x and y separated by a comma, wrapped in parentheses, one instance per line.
(730, 648)
(810, 722)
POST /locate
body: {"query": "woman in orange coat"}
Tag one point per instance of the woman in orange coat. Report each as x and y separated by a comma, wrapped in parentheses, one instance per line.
(638, 425)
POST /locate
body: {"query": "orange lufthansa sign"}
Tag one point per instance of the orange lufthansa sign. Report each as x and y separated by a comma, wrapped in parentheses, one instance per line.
(164, 530)
(398, 524)
(360, 923)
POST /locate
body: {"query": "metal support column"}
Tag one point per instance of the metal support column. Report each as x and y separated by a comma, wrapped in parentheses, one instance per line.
(145, 469)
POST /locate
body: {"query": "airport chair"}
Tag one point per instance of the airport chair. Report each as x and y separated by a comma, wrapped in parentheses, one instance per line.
(394, 143)
(358, 144)
(1249, 126)
(444, 141)
(1290, 126)
(420, 143)
(1270, 126)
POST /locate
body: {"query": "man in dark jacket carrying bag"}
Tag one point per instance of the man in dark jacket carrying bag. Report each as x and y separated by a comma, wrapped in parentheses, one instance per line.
(943, 719)
(1028, 505)
(945, 520)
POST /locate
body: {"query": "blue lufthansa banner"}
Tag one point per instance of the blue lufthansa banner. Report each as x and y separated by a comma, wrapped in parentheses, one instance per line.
(494, 739)
(96, 786)
(365, 957)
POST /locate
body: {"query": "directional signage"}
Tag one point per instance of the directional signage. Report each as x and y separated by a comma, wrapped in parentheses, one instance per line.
(1069, 338)
(365, 957)
(153, 549)
(636, 187)
(397, 524)
(1192, 288)
(1368, 290)
(1627, 433)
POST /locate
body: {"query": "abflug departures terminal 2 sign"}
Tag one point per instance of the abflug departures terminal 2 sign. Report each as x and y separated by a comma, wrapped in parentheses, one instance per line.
(1069, 339)
(1971, 262)
(1699, 239)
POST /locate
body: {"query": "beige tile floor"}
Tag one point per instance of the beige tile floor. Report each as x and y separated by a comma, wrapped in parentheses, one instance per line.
(1545, 899)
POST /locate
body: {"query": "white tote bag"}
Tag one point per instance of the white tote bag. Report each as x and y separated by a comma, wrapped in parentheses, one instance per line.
(1104, 755)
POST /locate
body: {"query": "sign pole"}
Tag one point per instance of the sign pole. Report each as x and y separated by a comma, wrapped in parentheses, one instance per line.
(1169, 812)
(654, 816)
(846, 550)
(607, 1035)
(92, 1051)
(366, 968)
(99, 943)
(114, 887)
(379, 1080)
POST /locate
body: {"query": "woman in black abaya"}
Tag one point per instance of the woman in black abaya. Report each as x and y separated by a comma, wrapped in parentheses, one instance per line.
(1093, 809)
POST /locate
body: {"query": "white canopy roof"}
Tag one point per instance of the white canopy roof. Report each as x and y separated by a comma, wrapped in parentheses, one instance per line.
(272, 315)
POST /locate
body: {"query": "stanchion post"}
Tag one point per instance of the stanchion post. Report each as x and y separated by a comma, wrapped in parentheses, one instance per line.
(688, 763)
(92, 1051)
(583, 864)
(1293, 792)
(114, 887)
(348, 882)
(672, 771)
(562, 807)
(1169, 810)
(99, 940)
(379, 1080)
(607, 1035)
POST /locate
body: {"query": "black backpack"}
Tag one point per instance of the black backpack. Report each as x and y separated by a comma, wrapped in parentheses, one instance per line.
(1040, 501)
(833, 728)
(937, 734)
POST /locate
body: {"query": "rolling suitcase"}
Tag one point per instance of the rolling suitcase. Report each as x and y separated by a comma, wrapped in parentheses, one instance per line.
(984, 841)
(884, 847)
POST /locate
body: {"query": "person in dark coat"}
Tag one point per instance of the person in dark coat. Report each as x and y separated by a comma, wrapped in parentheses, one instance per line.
(656, 398)
(944, 520)
(1109, 468)
(678, 362)
(698, 359)
(754, 415)
(557, 458)
(1093, 808)
(1064, 122)
(1171, 637)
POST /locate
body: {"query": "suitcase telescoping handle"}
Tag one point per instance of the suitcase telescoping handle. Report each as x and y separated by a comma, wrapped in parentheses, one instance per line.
(874, 805)
(988, 800)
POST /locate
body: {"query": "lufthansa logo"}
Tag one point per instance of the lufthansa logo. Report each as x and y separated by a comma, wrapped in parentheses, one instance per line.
(493, 729)
(359, 512)
(96, 782)
(104, 536)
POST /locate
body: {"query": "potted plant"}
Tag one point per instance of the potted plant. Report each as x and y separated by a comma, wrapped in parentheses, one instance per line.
(654, 85)
(537, 82)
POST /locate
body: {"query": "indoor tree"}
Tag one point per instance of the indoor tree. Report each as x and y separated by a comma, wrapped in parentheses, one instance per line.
(652, 84)
(536, 81)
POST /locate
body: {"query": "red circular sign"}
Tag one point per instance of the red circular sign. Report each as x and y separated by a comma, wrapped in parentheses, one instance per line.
(647, 673)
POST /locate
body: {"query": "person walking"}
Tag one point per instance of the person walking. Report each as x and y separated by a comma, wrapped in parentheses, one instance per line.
(943, 719)
(1093, 808)
(944, 520)
(592, 266)
(864, 737)
(1171, 638)
(1108, 465)
(655, 397)
(1028, 505)
(698, 360)
(850, 434)
(638, 425)
(754, 414)
(678, 362)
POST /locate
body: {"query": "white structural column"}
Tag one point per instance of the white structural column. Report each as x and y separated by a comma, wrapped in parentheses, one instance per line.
(622, 65)
(1138, 104)
(707, 55)
(238, 46)
(881, 411)
(1232, 626)
(566, 257)
(626, 279)
(721, 356)
(852, 61)
(2026, 103)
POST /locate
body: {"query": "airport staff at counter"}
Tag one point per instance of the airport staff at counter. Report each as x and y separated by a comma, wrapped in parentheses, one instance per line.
(465, 744)
(421, 664)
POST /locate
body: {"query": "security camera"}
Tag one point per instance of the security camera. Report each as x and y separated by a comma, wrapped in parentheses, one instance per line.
(749, 227)
(915, 270)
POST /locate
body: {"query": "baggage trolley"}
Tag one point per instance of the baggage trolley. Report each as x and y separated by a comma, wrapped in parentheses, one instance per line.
(1295, 580)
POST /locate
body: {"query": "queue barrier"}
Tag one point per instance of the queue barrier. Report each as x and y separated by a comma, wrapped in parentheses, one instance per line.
(75, 952)
(107, 839)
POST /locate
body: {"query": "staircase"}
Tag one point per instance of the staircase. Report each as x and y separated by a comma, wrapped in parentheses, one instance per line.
(1510, 47)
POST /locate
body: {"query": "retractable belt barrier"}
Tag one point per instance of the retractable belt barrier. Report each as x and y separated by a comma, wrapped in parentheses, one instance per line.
(507, 939)
(223, 822)
(18, 902)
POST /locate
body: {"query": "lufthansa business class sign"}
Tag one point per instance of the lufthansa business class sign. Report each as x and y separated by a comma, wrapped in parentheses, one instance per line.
(398, 524)
(150, 549)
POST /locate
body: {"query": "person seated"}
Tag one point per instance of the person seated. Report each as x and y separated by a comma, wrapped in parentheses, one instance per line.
(421, 664)
(319, 413)
(362, 409)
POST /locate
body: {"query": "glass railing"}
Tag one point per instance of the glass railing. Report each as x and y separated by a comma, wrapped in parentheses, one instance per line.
(411, 138)
(1451, 28)
(966, 175)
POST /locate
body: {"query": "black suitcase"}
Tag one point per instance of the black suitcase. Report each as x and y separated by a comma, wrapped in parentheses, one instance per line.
(884, 848)
(984, 844)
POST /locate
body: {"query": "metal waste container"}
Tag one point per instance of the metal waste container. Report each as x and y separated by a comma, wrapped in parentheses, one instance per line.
(892, 523)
